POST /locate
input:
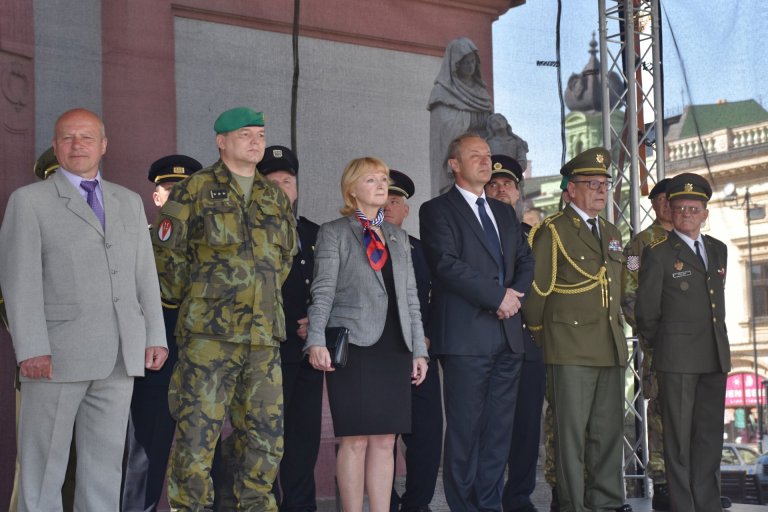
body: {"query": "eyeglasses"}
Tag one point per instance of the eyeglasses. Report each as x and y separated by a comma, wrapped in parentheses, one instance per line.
(596, 184)
(693, 210)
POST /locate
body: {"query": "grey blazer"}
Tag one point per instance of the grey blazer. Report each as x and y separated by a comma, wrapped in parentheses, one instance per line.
(347, 292)
(73, 290)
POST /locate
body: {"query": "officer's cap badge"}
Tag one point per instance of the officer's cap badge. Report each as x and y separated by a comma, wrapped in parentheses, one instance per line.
(497, 166)
(599, 158)
(689, 187)
(178, 170)
(277, 153)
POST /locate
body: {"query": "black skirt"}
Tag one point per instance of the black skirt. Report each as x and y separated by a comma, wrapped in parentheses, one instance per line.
(372, 394)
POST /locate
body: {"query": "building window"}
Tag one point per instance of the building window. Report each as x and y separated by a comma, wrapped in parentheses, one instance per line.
(760, 289)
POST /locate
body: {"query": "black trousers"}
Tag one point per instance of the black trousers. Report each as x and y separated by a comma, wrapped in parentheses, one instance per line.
(524, 452)
(424, 444)
(480, 397)
(303, 402)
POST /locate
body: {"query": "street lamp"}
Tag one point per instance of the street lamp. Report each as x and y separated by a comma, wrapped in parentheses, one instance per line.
(754, 212)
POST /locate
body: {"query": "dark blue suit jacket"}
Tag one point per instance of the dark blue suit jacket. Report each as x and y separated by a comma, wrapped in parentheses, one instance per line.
(465, 287)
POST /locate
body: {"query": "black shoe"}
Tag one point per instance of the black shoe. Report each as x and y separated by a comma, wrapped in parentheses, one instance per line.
(660, 497)
(525, 508)
(725, 502)
(554, 505)
(625, 508)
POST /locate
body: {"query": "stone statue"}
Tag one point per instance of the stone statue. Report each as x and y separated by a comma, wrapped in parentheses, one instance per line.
(459, 103)
(503, 141)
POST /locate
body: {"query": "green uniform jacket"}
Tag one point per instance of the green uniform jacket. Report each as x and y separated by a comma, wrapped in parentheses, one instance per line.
(680, 306)
(633, 253)
(223, 259)
(573, 308)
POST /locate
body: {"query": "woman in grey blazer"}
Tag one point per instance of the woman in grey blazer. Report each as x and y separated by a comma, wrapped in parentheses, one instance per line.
(364, 281)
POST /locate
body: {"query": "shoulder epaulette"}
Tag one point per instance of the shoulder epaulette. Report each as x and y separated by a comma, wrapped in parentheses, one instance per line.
(658, 241)
(549, 218)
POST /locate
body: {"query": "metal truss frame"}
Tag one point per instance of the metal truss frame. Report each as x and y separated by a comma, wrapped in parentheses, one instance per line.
(630, 33)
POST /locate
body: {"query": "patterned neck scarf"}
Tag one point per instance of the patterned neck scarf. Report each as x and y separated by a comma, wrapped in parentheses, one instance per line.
(374, 248)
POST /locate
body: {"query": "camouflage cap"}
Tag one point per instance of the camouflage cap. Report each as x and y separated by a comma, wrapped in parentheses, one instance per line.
(237, 118)
(592, 162)
(659, 188)
(46, 164)
(400, 184)
(278, 158)
(172, 168)
(689, 186)
(506, 166)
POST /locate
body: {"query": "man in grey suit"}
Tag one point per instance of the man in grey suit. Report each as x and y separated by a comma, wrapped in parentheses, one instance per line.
(83, 302)
(481, 267)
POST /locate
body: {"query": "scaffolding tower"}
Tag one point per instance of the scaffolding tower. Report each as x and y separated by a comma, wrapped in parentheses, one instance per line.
(630, 45)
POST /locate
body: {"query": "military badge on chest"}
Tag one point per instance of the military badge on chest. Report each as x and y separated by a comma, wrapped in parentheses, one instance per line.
(220, 193)
(681, 272)
(614, 244)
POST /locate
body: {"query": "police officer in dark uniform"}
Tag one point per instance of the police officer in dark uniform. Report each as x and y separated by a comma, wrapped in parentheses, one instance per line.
(302, 384)
(680, 310)
(425, 441)
(504, 185)
(150, 425)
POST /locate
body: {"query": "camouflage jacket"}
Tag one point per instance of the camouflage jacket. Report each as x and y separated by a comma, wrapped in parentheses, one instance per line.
(629, 277)
(224, 259)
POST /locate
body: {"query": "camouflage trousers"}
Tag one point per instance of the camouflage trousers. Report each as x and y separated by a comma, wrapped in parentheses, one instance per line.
(650, 385)
(210, 380)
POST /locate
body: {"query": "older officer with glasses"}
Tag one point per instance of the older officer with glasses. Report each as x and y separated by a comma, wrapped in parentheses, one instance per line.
(573, 312)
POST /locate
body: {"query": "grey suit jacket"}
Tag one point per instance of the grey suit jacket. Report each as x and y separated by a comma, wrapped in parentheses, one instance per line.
(347, 292)
(73, 290)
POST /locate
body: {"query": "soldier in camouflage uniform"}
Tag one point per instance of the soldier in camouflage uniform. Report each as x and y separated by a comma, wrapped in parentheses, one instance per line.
(656, 231)
(224, 244)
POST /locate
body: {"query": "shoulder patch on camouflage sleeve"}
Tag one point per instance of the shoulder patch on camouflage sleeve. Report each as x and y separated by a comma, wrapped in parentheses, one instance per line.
(633, 263)
(175, 210)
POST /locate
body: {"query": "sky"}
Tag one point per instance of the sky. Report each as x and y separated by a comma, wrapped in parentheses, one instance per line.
(721, 46)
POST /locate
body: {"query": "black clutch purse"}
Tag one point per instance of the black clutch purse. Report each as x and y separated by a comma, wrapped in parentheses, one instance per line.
(337, 342)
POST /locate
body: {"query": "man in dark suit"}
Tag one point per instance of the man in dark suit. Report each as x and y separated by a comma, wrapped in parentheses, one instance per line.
(150, 425)
(573, 312)
(302, 384)
(83, 303)
(505, 185)
(680, 310)
(425, 441)
(481, 269)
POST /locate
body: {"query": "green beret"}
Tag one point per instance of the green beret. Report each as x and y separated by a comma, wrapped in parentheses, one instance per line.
(689, 186)
(46, 164)
(592, 162)
(237, 118)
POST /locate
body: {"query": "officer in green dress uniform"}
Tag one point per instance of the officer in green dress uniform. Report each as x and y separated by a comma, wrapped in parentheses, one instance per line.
(633, 252)
(573, 312)
(224, 244)
(680, 310)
